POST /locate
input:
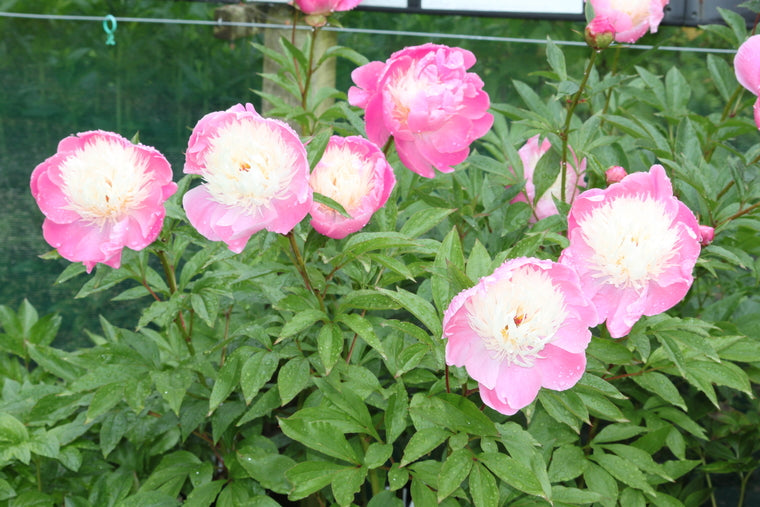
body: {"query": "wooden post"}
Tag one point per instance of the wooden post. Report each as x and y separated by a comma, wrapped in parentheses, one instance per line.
(324, 77)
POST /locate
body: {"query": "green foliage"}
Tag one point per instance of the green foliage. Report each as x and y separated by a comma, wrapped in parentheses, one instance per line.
(310, 369)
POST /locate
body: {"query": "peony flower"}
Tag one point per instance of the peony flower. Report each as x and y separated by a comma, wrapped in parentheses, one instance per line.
(634, 246)
(523, 327)
(424, 97)
(325, 7)
(354, 173)
(100, 193)
(629, 19)
(255, 174)
(747, 68)
(544, 206)
(615, 174)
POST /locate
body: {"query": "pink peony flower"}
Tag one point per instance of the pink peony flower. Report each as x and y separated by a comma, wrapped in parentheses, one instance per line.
(629, 19)
(354, 173)
(424, 97)
(615, 174)
(544, 206)
(523, 327)
(634, 246)
(325, 7)
(255, 173)
(100, 193)
(747, 68)
(706, 235)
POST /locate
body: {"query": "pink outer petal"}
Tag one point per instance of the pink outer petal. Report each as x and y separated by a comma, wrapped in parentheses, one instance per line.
(410, 156)
(559, 369)
(530, 153)
(79, 242)
(756, 110)
(491, 398)
(517, 387)
(48, 194)
(747, 64)
(366, 78)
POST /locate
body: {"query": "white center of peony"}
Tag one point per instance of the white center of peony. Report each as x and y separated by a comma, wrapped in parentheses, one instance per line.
(343, 176)
(636, 10)
(631, 239)
(248, 164)
(104, 181)
(517, 317)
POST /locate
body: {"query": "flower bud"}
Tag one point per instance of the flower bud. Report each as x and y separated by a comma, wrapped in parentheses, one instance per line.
(615, 174)
(599, 33)
(706, 235)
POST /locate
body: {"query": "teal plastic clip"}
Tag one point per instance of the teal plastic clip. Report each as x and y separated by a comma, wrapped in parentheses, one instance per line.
(109, 25)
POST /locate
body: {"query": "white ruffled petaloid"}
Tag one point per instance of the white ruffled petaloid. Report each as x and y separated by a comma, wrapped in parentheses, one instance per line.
(632, 240)
(248, 164)
(104, 181)
(517, 317)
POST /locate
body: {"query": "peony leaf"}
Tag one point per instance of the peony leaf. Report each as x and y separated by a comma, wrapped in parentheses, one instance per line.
(422, 442)
(320, 436)
(311, 476)
(483, 488)
(293, 378)
(453, 472)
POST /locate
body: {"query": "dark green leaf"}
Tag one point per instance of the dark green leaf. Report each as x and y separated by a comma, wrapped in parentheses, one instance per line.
(422, 442)
(293, 378)
(320, 436)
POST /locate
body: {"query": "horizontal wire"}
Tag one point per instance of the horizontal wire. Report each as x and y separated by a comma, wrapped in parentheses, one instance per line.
(367, 31)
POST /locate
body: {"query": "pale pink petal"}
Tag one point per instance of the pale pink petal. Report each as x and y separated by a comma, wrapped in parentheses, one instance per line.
(496, 401)
(747, 64)
(560, 369)
(518, 385)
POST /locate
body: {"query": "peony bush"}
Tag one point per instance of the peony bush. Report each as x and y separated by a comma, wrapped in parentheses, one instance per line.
(550, 301)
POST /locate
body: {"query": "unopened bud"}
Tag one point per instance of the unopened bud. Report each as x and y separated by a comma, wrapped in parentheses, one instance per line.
(615, 174)
(316, 20)
(599, 33)
(706, 235)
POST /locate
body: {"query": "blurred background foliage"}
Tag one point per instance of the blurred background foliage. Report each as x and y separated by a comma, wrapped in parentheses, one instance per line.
(59, 77)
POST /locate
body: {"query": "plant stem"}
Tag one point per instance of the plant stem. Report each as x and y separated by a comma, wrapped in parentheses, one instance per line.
(743, 491)
(608, 95)
(301, 267)
(564, 134)
(738, 214)
(309, 68)
(729, 110)
(171, 281)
